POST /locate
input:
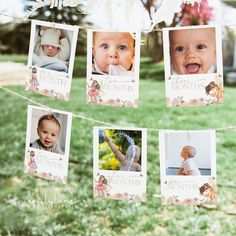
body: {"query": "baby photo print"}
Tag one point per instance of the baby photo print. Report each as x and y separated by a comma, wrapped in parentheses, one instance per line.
(51, 58)
(47, 143)
(193, 65)
(120, 163)
(113, 68)
(187, 164)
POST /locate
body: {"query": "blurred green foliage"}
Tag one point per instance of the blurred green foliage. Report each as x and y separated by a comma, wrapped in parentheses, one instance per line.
(15, 36)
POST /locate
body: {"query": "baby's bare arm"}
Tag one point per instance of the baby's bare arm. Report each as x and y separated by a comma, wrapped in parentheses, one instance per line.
(115, 150)
(65, 49)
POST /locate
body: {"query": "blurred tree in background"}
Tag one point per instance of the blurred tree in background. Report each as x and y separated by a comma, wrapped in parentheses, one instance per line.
(64, 15)
(231, 3)
(228, 46)
(15, 36)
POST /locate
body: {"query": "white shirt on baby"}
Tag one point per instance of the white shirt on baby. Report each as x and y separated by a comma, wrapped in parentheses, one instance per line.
(188, 165)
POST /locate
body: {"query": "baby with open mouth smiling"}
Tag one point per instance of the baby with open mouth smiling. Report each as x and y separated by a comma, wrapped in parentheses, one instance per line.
(193, 51)
(48, 132)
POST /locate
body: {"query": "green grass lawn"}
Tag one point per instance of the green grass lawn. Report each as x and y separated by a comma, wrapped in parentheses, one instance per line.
(33, 206)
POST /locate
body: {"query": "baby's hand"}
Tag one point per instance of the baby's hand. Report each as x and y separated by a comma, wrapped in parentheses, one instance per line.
(106, 138)
(62, 36)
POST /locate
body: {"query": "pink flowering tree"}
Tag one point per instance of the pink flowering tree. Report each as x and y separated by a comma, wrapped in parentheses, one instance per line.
(198, 14)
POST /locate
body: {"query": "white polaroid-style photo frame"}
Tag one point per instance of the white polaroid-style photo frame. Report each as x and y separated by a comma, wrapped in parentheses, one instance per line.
(113, 60)
(51, 58)
(119, 163)
(193, 65)
(47, 143)
(188, 167)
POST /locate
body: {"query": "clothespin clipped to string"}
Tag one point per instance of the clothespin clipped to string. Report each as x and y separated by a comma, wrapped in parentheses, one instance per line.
(188, 136)
(51, 112)
(54, 3)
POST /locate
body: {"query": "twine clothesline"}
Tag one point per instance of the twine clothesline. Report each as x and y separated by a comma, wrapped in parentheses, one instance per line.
(93, 28)
(49, 108)
(95, 120)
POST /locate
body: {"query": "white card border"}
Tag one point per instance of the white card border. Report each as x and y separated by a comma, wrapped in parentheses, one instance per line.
(74, 29)
(135, 77)
(211, 76)
(68, 134)
(166, 46)
(142, 173)
(162, 156)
